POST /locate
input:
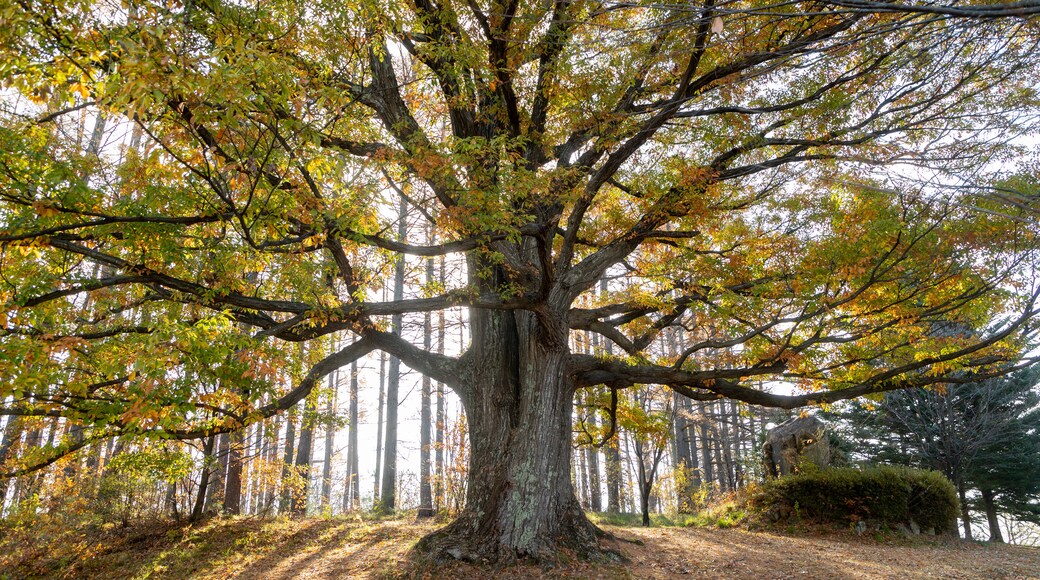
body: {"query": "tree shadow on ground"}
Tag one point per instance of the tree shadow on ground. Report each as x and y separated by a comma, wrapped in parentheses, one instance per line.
(340, 547)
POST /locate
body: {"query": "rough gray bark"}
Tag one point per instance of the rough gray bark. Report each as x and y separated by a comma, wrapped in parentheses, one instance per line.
(581, 475)
(233, 487)
(518, 399)
(170, 501)
(388, 492)
(350, 481)
(438, 487)
(592, 458)
(218, 472)
(722, 427)
(613, 476)
(685, 456)
(425, 417)
(613, 456)
(253, 469)
(298, 502)
(379, 430)
(12, 434)
(271, 456)
(707, 471)
(287, 458)
(330, 439)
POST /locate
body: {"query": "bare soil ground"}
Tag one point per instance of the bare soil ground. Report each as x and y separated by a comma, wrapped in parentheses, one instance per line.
(346, 548)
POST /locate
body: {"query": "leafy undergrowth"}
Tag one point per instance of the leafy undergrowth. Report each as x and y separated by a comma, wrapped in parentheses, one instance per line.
(365, 548)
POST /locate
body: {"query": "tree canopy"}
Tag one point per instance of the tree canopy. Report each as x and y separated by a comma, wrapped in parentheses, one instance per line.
(833, 196)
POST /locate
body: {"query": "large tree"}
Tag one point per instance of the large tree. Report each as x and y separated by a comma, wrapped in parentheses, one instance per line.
(798, 188)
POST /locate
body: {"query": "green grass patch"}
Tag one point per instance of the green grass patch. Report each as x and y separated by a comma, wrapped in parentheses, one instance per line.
(636, 520)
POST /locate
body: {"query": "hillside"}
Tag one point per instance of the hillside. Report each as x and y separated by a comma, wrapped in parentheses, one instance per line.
(344, 548)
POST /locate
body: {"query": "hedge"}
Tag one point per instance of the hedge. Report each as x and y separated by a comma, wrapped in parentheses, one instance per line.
(883, 495)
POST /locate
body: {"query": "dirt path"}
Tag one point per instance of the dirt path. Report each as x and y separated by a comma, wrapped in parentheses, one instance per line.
(684, 552)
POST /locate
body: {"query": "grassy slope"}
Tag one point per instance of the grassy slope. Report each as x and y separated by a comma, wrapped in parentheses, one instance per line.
(351, 548)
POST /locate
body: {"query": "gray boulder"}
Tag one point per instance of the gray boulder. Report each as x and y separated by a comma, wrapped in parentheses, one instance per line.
(796, 443)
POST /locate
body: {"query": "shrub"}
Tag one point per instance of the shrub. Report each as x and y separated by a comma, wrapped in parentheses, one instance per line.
(883, 495)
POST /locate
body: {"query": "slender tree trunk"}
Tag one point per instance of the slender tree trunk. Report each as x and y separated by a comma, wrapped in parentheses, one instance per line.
(170, 502)
(738, 442)
(25, 486)
(287, 459)
(438, 458)
(12, 434)
(330, 439)
(207, 461)
(438, 455)
(379, 430)
(298, 502)
(218, 472)
(707, 472)
(645, 485)
(272, 427)
(613, 476)
(233, 487)
(631, 485)
(965, 514)
(726, 445)
(351, 492)
(425, 413)
(76, 434)
(592, 457)
(991, 516)
(613, 456)
(253, 468)
(388, 493)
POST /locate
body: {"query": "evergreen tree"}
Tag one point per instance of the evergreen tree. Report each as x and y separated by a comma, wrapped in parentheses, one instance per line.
(983, 435)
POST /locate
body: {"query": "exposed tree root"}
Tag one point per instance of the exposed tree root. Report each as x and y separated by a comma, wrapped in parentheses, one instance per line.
(469, 540)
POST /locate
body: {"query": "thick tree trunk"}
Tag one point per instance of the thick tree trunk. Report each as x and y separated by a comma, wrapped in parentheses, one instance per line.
(520, 502)
(991, 516)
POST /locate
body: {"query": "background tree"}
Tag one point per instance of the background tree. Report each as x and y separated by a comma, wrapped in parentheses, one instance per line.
(984, 436)
(649, 420)
(790, 187)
